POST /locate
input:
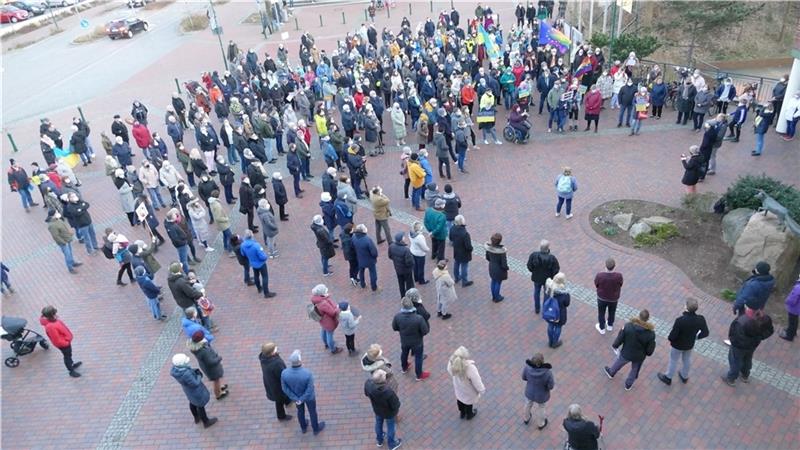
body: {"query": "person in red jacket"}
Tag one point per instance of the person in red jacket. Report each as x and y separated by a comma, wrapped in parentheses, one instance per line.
(142, 136)
(60, 336)
(594, 101)
(329, 311)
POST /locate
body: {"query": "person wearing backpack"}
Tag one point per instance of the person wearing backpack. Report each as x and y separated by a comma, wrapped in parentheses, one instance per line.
(638, 341)
(326, 312)
(554, 309)
(566, 185)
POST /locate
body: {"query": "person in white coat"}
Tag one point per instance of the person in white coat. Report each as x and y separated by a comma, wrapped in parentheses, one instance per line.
(467, 382)
(419, 249)
(170, 177)
(199, 217)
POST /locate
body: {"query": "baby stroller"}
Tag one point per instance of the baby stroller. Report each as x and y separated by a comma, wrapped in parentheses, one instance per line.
(13, 330)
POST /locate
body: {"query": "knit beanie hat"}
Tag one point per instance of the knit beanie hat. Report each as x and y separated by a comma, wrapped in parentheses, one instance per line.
(294, 359)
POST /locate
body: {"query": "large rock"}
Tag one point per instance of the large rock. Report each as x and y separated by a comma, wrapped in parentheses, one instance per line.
(656, 220)
(623, 220)
(733, 224)
(639, 228)
(764, 240)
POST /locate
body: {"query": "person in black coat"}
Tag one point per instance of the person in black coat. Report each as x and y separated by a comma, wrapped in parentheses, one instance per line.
(385, 405)
(462, 251)
(745, 333)
(118, 128)
(412, 328)
(498, 265)
(247, 202)
(638, 341)
(271, 367)
(692, 169)
(293, 164)
(686, 330)
(582, 434)
(280, 194)
(226, 177)
(209, 362)
(403, 261)
(324, 243)
(542, 265)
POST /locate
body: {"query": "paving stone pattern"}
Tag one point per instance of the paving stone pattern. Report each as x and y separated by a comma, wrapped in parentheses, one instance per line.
(126, 398)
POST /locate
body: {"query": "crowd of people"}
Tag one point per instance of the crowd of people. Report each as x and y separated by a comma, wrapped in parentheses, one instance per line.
(438, 81)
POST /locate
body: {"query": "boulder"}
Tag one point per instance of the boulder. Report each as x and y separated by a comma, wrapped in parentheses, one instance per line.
(656, 220)
(763, 239)
(733, 224)
(639, 228)
(623, 220)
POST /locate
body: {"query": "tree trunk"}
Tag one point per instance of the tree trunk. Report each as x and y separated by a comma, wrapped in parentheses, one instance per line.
(692, 43)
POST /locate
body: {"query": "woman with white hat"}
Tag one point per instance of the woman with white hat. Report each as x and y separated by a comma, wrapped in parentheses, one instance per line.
(191, 380)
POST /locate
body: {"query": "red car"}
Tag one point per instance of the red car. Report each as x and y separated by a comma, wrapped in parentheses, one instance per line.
(12, 14)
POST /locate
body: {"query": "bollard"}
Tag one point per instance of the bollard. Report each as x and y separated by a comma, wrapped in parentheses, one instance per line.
(296, 26)
(80, 111)
(451, 5)
(320, 20)
(409, 9)
(178, 85)
(343, 21)
(388, 12)
(13, 144)
(366, 16)
(431, 5)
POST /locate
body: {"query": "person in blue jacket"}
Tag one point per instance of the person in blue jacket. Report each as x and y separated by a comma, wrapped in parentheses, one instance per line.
(191, 324)
(423, 161)
(151, 292)
(258, 261)
(297, 383)
(367, 255)
(755, 290)
(726, 92)
(737, 118)
(191, 380)
(658, 96)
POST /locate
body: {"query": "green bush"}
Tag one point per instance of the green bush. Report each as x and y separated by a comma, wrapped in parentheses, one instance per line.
(657, 235)
(728, 294)
(742, 194)
(610, 231)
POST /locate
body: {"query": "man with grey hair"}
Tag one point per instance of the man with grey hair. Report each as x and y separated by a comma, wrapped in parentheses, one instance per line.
(385, 405)
(191, 324)
(412, 328)
(686, 330)
(582, 434)
(542, 265)
(298, 384)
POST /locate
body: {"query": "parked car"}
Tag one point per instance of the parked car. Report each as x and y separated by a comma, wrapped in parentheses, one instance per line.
(138, 3)
(33, 8)
(121, 28)
(12, 14)
(56, 3)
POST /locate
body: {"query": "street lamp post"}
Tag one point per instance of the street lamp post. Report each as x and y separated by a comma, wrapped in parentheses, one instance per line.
(216, 29)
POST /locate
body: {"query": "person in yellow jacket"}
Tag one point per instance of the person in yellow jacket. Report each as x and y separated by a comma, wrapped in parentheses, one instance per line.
(322, 122)
(417, 176)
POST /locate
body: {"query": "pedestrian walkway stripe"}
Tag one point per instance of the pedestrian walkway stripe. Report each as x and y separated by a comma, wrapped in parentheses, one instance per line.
(707, 348)
(161, 351)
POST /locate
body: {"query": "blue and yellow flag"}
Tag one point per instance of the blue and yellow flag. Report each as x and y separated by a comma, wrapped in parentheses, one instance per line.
(492, 51)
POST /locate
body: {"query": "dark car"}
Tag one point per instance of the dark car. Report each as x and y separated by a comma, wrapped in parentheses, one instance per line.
(12, 14)
(122, 28)
(32, 8)
(138, 3)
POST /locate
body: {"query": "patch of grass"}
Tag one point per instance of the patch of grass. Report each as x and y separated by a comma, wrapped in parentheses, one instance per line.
(610, 231)
(252, 18)
(99, 32)
(728, 295)
(658, 235)
(194, 22)
(699, 203)
(160, 4)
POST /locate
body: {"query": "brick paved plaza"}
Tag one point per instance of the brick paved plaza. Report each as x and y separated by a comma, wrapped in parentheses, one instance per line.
(126, 397)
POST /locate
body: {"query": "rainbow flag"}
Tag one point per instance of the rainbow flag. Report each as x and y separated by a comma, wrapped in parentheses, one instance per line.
(549, 35)
(584, 68)
(492, 51)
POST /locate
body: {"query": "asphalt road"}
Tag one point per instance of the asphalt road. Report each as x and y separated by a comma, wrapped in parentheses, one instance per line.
(54, 74)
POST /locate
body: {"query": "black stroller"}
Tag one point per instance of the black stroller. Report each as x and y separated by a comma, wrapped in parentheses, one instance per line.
(22, 343)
